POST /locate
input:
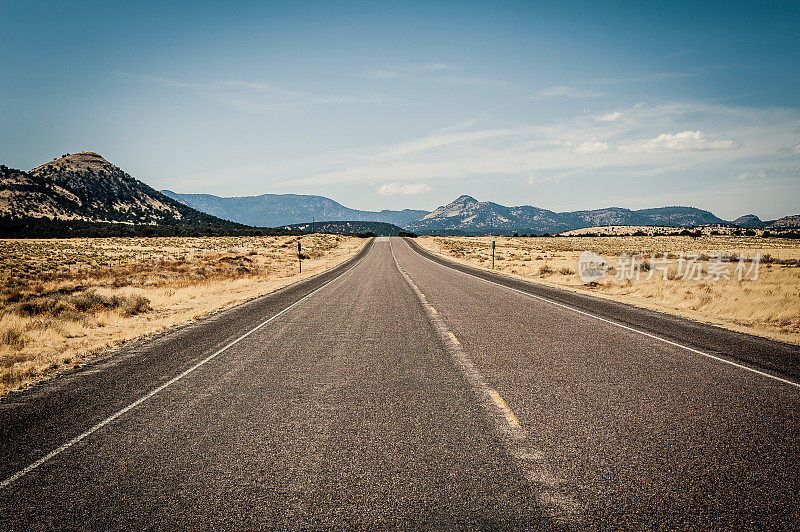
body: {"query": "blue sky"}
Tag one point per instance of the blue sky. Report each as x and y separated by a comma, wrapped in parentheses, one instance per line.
(569, 105)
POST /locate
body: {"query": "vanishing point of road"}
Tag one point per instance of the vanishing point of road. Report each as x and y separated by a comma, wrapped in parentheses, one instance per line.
(399, 390)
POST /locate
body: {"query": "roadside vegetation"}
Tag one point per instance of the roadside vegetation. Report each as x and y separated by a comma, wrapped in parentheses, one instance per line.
(767, 306)
(64, 301)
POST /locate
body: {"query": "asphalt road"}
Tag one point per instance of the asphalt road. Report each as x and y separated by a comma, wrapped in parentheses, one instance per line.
(396, 391)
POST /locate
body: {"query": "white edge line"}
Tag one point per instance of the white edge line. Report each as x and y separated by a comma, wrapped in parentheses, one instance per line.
(52, 454)
(670, 342)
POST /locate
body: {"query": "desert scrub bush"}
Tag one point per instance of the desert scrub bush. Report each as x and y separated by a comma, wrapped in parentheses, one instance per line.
(119, 282)
(76, 306)
(91, 301)
(133, 305)
(566, 271)
(545, 270)
(12, 332)
(14, 296)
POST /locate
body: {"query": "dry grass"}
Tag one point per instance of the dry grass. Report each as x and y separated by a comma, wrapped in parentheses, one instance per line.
(64, 301)
(768, 306)
(661, 230)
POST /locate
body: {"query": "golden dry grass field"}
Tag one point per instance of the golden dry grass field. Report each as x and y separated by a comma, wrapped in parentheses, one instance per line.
(64, 301)
(767, 306)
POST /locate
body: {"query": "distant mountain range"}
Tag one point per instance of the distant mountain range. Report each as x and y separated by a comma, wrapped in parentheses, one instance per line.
(466, 215)
(273, 210)
(85, 195)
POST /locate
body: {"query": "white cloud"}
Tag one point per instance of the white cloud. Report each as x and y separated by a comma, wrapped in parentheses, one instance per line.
(584, 89)
(442, 72)
(396, 72)
(466, 80)
(683, 141)
(439, 140)
(435, 67)
(608, 117)
(464, 125)
(564, 91)
(383, 74)
(760, 174)
(390, 189)
(537, 180)
(591, 146)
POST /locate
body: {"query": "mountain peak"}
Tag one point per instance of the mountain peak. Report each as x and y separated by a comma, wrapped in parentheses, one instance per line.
(465, 199)
(77, 162)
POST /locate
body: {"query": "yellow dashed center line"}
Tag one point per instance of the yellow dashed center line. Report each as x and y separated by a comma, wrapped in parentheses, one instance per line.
(434, 310)
(511, 418)
(453, 338)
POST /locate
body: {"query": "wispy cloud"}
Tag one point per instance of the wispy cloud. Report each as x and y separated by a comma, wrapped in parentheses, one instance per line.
(397, 71)
(584, 89)
(760, 174)
(683, 141)
(441, 139)
(436, 67)
(257, 96)
(382, 74)
(565, 91)
(591, 146)
(609, 117)
(468, 80)
(390, 189)
(441, 72)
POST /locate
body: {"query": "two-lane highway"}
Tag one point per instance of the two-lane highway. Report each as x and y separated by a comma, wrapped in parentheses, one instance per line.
(400, 392)
(344, 410)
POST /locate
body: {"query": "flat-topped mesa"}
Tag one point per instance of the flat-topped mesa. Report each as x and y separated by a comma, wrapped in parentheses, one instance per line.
(99, 183)
(750, 221)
